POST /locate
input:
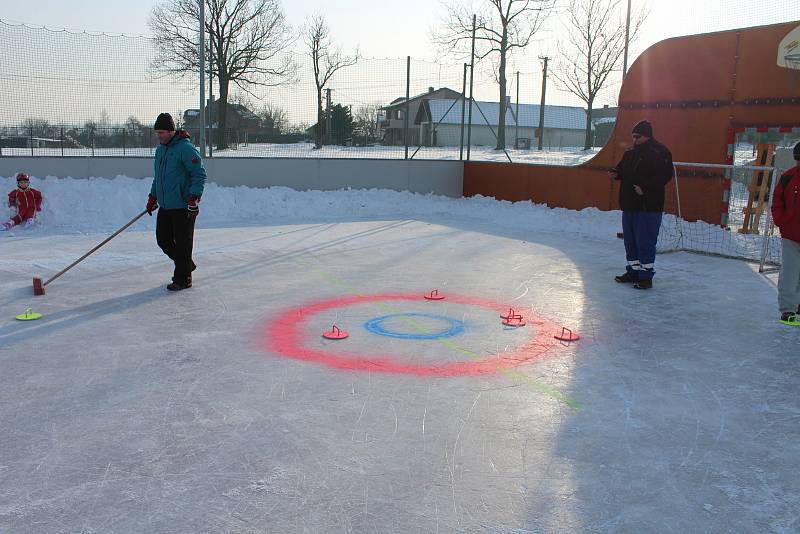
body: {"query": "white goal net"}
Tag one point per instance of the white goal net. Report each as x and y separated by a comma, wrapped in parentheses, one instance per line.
(747, 231)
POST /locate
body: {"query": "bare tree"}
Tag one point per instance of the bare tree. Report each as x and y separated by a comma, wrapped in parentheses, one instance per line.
(275, 117)
(245, 40)
(501, 27)
(596, 32)
(365, 120)
(326, 60)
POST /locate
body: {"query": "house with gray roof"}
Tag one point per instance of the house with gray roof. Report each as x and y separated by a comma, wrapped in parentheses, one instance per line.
(392, 127)
(439, 124)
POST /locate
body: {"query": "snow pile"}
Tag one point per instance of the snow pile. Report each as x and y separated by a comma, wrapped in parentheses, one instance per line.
(100, 204)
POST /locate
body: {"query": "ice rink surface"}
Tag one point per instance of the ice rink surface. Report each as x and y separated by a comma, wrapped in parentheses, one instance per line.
(127, 408)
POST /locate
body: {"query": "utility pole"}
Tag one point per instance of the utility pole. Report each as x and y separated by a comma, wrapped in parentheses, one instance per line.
(202, 53)
(541, 107)
(328, 118)
(627, 35)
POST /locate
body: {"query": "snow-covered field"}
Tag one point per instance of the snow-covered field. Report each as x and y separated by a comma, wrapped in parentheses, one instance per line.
(127, 408)
(563, 156)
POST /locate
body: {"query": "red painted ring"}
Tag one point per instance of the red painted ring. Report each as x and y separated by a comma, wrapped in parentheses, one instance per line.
(284, 337)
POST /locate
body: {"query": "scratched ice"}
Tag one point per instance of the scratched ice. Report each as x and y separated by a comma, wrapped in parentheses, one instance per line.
(129, 409)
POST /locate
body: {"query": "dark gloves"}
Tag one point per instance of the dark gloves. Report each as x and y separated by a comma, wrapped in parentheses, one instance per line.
(152, 204)
(194, 209)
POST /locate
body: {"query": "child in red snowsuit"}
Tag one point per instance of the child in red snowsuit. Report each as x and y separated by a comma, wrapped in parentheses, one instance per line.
(26, 200)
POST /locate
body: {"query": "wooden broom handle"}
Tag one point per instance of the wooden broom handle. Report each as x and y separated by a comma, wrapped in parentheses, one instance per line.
(112, 236)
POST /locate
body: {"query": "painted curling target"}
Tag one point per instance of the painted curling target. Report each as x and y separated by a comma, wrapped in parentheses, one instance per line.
(286, 336)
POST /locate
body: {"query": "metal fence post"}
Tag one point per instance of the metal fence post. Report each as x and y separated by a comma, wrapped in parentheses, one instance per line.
(463, 109)
(31, 141)
(516, 118)
(62, 141)
(408, 104)
(768, 221)
(471, 86)
(201, 51)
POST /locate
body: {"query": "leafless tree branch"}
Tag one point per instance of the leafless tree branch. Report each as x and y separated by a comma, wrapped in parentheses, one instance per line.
(596, 35)
(246, 41)
(501, 27)
(326, 60)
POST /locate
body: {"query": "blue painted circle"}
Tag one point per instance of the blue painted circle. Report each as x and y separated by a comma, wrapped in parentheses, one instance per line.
(374, 326)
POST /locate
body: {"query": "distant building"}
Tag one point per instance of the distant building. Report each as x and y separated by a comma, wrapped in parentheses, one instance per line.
(603, 122)
(241, 123)
(438, 123)
(392, 127)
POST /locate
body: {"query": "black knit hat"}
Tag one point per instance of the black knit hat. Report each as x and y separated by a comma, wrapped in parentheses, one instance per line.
(643, 128)
(165, 122)
(797, 152)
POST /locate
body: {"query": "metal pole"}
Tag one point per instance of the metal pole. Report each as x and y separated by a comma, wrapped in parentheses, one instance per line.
(516, 118)
(408, 104)
(32, 142)
(627, 34)
(541, 107)
(202, 53)
(768, 222)
(433, 128)
(210, 100)
(123, 141)
(677, 191)
(328, 119)
(463, 109)
(471, 80)
(62, 141)
(505, 151)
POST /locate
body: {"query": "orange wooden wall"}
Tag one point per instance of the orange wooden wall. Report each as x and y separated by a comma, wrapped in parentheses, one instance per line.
(694, 90)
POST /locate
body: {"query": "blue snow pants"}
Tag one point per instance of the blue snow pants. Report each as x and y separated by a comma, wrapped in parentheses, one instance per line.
(641, 234)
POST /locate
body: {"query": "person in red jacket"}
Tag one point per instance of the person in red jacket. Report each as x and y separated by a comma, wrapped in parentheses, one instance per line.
(26, 200)
(786, 215)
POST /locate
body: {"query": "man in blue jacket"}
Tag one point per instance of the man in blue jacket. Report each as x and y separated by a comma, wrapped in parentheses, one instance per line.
(178, 181)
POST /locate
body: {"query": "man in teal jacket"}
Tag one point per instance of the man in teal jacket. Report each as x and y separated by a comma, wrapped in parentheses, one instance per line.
(178, 180)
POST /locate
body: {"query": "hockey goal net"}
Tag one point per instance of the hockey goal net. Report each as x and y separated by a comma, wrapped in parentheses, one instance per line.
(746, 231)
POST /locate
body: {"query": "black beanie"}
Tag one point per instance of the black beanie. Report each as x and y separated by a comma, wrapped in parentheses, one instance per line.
(165, 122)
(797, 152)
(643, 128)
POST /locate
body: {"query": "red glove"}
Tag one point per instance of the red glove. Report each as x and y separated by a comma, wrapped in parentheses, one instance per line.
(152, 204)
(193, 208)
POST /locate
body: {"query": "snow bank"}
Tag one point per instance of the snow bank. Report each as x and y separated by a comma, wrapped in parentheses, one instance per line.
(103, 204)
(100, 204)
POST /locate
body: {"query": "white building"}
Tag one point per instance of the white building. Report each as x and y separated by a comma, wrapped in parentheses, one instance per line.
(439, 123)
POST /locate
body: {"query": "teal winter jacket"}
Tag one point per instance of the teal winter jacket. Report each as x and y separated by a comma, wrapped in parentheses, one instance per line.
(178, 173)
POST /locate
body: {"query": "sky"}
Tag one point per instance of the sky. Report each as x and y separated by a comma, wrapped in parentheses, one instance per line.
(384, 29)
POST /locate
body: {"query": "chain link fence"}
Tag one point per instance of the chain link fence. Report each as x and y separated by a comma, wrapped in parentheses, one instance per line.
(82, 94)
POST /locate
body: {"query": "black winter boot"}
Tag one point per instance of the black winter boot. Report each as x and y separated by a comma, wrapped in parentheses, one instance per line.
(178, 286)
(626, 278)
(643, 284)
